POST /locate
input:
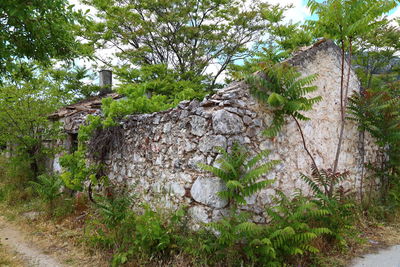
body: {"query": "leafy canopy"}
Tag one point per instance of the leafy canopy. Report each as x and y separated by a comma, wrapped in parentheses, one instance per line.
(28, 100)
(346, 20)
(187, 36)
(154, 88)
(282, 39)
(376, 56)
(377, 112)
(37, 30)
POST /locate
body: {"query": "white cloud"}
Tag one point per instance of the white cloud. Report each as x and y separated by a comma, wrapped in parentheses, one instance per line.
(395, 15)
(79, 6)
(298, 13)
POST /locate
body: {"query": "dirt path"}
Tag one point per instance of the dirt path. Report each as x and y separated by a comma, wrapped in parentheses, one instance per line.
(15, 241)
(388, 258)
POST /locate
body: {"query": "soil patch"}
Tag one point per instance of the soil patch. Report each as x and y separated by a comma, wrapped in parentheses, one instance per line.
(17, 242)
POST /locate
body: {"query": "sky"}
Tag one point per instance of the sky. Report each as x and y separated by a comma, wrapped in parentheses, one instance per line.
(299, 13)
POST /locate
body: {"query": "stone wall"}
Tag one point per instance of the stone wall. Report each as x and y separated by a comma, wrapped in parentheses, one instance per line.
(160, 151)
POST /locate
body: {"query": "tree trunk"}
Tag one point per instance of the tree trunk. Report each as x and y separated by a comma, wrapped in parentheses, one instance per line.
(343, 108)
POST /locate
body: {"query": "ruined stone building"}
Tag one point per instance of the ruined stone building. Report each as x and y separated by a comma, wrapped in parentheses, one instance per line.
(159, 152)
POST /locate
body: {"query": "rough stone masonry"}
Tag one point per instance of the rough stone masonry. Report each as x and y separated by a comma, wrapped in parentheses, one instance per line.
(161, 151)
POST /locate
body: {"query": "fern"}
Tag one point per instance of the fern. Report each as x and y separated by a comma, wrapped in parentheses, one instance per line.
(292, 229)
(48, 187)
(283, 90)
(240, 174)
(235, 235)
(325, 182)
(377, 111)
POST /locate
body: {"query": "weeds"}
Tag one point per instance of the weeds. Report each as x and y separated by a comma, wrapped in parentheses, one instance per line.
(145, 235)
(48, 187)
(240, 174)
(296, 230)
(14, 177)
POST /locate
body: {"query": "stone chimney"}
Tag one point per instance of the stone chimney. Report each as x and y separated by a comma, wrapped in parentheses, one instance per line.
(105, 81)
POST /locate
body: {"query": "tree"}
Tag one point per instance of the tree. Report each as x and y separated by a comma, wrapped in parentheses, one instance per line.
(282, 40)
(37, 30)
(377, 111)
(187, 36)
(346, 21)
(26, 102)
(376, 57)
(71, 83)
(152, 88)
(23, 122)
(376, 107)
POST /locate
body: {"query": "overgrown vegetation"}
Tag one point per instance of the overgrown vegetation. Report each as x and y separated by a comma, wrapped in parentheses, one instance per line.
(289, 236)
(167, 49)
(377, 112)
(347, 21)
(283, 91)
(240, 174)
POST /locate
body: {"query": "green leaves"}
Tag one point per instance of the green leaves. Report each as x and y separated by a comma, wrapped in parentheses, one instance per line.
(76, 172)
(377, 112)
(293, 226)
(37, 30)
(151, 88)
(176, 33)
(284, 91)
(276, 100)
(240, 174)
(48, 187)
(345, 20)
(325, 182)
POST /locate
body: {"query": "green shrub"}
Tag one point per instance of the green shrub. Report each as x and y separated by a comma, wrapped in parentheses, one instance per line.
(294, 226)
(240, 174)
(141, 236)
(15, 174)
(111, 223)
(48, 187)
(283, 90)
(238, 241)
(288, 238)
(376, 111)
(77, 171)
(158, 234)
(328, 194)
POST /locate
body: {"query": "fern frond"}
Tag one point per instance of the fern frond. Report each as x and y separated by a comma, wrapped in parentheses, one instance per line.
(257, 158)
(253, 174)
(314, 187)
(234, 185)
(214, 170)
(248, 228)
(255, 187)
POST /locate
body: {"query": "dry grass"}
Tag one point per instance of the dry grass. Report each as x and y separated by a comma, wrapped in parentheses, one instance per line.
(60, 239)
(9, 259)
(372, 238)
(63, 240)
